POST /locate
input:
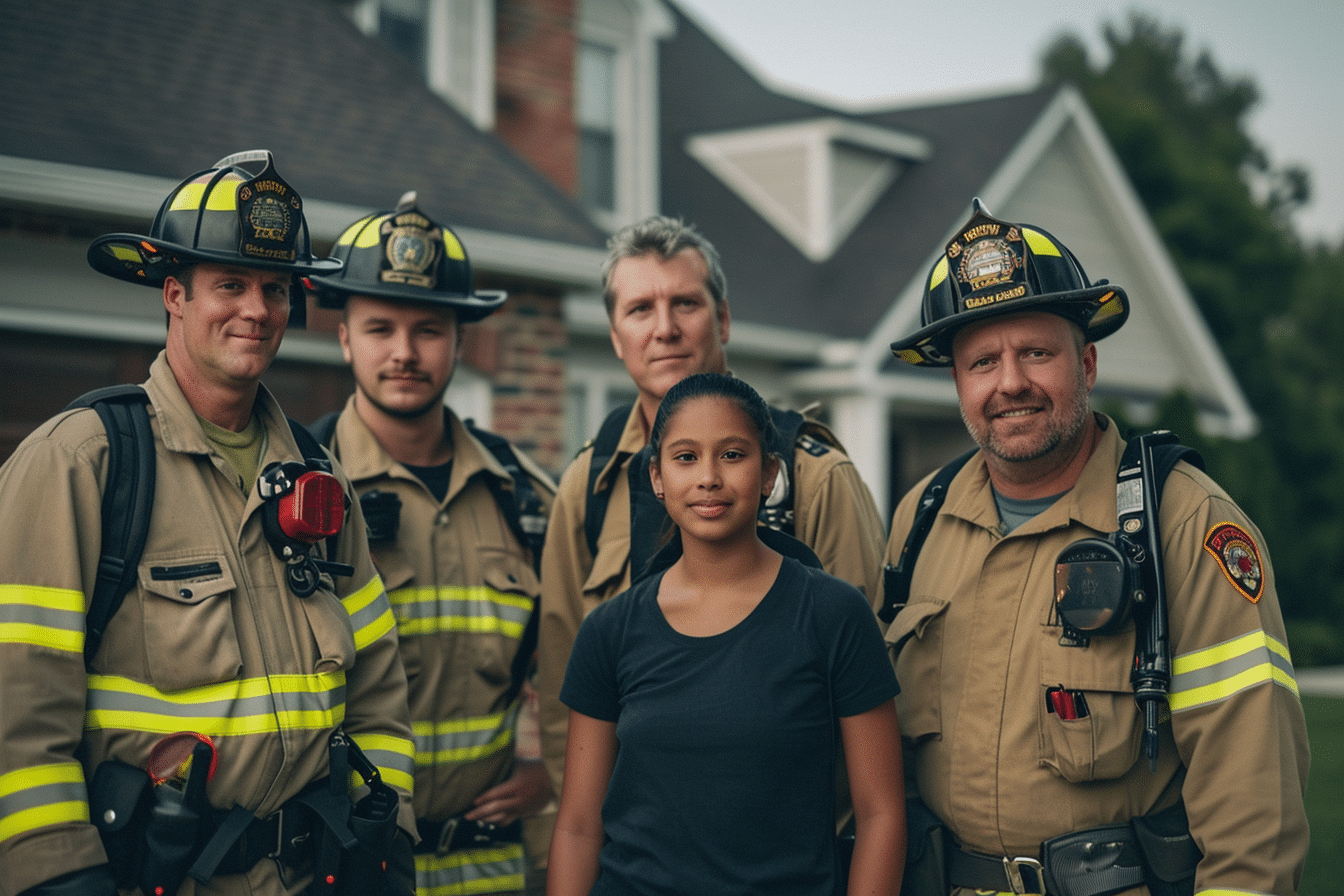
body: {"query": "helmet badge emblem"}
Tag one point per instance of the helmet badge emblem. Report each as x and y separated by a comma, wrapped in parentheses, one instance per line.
(412, 246)
(267, 207)
(987, 262)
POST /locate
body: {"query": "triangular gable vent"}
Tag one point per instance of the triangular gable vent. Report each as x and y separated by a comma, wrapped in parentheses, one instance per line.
(812, 180)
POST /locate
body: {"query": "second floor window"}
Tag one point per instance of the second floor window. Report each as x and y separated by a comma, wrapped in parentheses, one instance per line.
(403, 26)
(596, 113)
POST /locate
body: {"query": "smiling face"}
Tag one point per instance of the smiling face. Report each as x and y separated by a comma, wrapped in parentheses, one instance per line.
(402, 354)
(1022, 384)
(712, 470)
(665, 324)
(225, 324)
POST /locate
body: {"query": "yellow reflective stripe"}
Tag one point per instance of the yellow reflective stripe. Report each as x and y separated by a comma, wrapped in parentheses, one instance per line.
(39, 776)
(462, 740)
(42, 617)
(394, 756)
(475, 609)
(42, 816)
(246, 706)
(470, 871)
(370, 613)
(1222, 670)
(31, 798)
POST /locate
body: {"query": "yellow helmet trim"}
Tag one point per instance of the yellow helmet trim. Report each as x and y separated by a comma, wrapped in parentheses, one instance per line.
(453, 247)
(939, 273)
(223, 198)
(362, 234)
(1039, 243)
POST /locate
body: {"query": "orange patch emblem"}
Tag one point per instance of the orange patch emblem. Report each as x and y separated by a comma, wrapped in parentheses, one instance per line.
(1239, 558)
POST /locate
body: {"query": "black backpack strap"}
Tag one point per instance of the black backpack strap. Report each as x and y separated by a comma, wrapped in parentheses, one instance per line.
(523, 508)
(323, 428)
(523, 511)
(896, 579)
(604, 449)
(128, 501)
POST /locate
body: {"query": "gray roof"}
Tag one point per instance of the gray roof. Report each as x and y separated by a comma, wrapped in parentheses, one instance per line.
(704, 89)
(166, 88)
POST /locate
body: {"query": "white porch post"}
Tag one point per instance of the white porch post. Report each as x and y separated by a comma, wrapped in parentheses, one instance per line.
(861, 423)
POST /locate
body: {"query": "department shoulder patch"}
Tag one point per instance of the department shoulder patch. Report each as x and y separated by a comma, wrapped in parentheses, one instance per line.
(1239, 558)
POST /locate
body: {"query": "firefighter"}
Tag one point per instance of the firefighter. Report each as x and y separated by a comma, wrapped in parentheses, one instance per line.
(1007, 704)
(207, 745)
(457, 518)
(667, 304)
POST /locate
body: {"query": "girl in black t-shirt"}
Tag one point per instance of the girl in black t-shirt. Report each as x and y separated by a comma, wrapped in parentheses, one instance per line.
(703, 701)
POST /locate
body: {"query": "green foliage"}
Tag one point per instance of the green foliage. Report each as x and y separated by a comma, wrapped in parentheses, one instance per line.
(1325, 782)
(1224, 214)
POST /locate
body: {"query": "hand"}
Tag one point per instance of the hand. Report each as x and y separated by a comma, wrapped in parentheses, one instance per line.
(526, 792)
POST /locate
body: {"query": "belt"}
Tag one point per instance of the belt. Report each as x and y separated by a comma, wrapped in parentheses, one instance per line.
(1095, 862)
(287, 835)
(442, 837)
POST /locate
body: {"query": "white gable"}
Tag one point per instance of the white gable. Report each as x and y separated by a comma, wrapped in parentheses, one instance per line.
(1065, 178)
(812, 180)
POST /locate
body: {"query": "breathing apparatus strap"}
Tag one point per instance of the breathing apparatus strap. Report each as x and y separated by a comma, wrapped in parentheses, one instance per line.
(1144, 467)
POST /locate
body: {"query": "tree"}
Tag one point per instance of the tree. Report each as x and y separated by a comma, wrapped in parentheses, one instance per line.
(1224, 213)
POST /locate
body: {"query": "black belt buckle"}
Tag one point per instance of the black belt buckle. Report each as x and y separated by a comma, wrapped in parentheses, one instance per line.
(289, 842)
(445, 844)
(1025, 874)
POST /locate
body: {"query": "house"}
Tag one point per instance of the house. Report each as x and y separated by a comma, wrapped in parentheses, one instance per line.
(107, 107)
(535, 127)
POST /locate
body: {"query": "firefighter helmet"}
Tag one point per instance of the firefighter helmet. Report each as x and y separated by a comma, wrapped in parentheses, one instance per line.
(225, 215)
(992, 268)
(405, 256)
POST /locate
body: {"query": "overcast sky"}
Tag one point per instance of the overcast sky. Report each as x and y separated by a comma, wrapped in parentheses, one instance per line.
(895, 52)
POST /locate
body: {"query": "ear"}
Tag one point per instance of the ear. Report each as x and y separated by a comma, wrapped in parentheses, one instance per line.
(769, 473)
(1090, 365)
(655, 476)
(343, 334)
(174, 295)
(725, 321)
(616, 343)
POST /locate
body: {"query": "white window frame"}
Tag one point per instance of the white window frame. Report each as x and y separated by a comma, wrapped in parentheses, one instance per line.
(449, 24)
(635, 49)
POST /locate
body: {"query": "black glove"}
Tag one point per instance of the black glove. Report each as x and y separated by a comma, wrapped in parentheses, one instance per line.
(95, 881)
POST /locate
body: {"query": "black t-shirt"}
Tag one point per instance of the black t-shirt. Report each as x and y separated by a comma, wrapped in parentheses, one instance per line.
(724, 781)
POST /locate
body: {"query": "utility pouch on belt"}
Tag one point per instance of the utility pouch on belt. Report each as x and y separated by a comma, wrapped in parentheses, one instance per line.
(925, 852)
(1169, 851)
(120, 800)
(352, 858)
(1096, 862)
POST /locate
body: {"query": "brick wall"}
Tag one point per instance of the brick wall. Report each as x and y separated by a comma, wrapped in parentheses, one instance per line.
(521, 349)
(535, 48)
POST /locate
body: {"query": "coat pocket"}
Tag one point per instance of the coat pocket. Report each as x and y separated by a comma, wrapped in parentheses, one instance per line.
(916, 639)
(1103, 742)
(190, 637)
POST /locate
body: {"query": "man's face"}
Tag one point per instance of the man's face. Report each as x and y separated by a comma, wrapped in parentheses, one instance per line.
(402, 354)
(1022, 383)
(664, 324)
(225, 323)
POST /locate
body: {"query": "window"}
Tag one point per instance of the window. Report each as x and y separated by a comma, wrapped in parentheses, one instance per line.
(597, 126)
(451, 42)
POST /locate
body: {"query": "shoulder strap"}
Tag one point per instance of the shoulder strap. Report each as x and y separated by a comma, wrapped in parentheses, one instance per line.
(523, 511)
(323, 428)
(128, 500)
(604, 448)
(896, 579)
(523, 508)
